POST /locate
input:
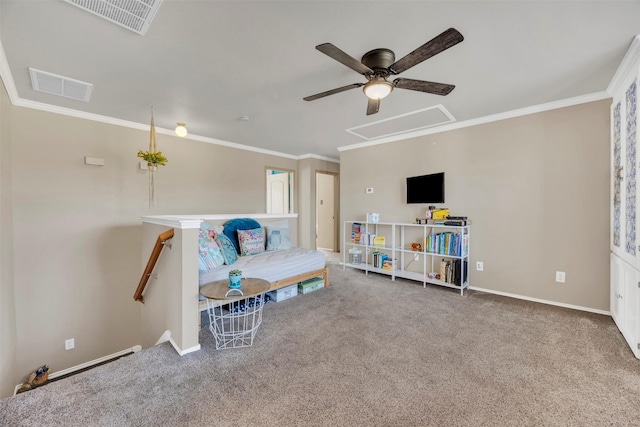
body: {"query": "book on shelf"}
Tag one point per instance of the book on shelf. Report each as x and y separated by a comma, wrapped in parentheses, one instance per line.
(356, 229)
(453, 271)
(378, 259)
(388, 264)
(367, 238)
(447, 243)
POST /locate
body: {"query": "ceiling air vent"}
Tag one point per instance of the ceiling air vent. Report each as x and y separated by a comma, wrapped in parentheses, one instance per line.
(135, 15)
(60, 85)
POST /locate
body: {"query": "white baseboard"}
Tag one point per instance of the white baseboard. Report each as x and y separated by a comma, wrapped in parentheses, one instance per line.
(166, 336)
(182, 352)
(54, 375)
(543, 301)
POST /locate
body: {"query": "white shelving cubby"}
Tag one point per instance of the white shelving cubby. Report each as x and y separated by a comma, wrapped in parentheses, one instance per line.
(419, 265)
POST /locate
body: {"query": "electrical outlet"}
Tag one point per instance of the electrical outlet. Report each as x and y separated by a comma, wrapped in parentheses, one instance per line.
(416, 257)
(480, 266)
(369, 190)
(560, 276)
(69, 344)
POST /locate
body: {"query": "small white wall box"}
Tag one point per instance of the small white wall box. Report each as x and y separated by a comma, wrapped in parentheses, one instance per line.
(284, 293)
(93, 161)
(310, 285)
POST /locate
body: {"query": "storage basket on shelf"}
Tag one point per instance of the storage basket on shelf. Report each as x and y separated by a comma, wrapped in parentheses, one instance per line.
(355, 256)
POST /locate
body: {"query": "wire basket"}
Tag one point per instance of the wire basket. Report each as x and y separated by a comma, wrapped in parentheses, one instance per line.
(236, 323)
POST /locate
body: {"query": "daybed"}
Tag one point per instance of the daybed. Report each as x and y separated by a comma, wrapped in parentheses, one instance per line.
(259, 250)
(171, 299)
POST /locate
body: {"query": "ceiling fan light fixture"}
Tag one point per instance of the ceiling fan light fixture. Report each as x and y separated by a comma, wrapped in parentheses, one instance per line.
(377, 88)
(181, 130)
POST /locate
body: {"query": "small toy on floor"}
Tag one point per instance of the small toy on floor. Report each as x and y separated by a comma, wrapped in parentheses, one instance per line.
(35, 379)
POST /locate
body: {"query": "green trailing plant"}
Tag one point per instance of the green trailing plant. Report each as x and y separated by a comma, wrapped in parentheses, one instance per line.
(156, 158)
(235, 272)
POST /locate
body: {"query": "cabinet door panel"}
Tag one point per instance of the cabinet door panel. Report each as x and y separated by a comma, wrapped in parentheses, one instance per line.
(630, 308)
(617, 283)
(624, 161)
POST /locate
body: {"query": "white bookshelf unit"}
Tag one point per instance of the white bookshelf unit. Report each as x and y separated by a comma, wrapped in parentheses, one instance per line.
(406, 262)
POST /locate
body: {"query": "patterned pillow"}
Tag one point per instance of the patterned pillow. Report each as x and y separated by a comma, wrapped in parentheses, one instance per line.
(278, 238)
(251, 241)
(202, 265)
(205, 260)
(206, 242)
(228, 251)
(233, 225)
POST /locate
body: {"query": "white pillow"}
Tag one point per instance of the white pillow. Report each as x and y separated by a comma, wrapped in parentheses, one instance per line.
(281, 223)
(278, 238)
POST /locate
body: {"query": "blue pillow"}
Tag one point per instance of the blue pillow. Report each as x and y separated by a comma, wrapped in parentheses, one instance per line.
(228, 252)
(232, 226)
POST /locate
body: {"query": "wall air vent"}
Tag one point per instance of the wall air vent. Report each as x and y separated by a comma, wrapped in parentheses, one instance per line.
(135, 15)
(60, 85)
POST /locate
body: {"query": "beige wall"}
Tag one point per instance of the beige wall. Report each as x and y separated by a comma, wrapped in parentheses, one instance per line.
(536, 188)
(7, 307)
(307, 169)
(77, 229)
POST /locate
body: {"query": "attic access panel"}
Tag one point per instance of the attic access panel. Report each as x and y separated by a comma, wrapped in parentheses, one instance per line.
(404, 123)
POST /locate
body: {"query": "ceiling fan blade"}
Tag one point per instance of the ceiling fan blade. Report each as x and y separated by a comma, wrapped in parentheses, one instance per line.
(344, 58)
(332, 91)
(444, 41)
(423, 86)
(373, 106)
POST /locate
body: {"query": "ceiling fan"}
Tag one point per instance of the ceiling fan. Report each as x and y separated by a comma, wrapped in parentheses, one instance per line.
(377, 65)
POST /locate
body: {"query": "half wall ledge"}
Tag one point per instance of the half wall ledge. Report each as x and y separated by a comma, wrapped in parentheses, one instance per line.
(171, 304)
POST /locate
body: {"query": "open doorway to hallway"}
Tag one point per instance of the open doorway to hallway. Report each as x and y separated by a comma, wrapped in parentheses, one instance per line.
(326, 211)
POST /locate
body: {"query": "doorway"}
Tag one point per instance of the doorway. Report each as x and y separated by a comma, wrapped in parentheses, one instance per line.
(326, 211)
(279, 191)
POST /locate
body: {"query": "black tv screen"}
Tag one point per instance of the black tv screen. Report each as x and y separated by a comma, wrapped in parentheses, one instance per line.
(426, 188)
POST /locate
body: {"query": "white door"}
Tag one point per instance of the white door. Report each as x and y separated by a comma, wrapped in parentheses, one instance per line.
(325, 211)
(278, 193)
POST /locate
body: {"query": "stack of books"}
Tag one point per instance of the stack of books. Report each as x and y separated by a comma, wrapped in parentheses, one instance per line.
(356, 229)
(447, 243)
(388, 264)
(450, 271)
(378, 259)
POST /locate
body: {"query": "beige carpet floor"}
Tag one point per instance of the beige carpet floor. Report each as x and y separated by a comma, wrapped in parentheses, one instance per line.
(367, 352)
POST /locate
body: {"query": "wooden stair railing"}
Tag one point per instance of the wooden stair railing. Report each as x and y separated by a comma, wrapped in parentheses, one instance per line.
(153, 258)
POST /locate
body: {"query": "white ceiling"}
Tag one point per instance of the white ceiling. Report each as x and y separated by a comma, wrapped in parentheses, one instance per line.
(207, 63)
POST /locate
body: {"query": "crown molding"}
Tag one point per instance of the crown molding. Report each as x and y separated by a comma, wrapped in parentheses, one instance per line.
(597, 96)
(7, 77)
(630, 62)
(315, 156)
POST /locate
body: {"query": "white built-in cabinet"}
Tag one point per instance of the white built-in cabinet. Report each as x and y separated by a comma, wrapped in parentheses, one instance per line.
(625, 200)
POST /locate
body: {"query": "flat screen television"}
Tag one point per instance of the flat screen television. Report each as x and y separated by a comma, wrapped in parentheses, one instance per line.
(426, 188)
